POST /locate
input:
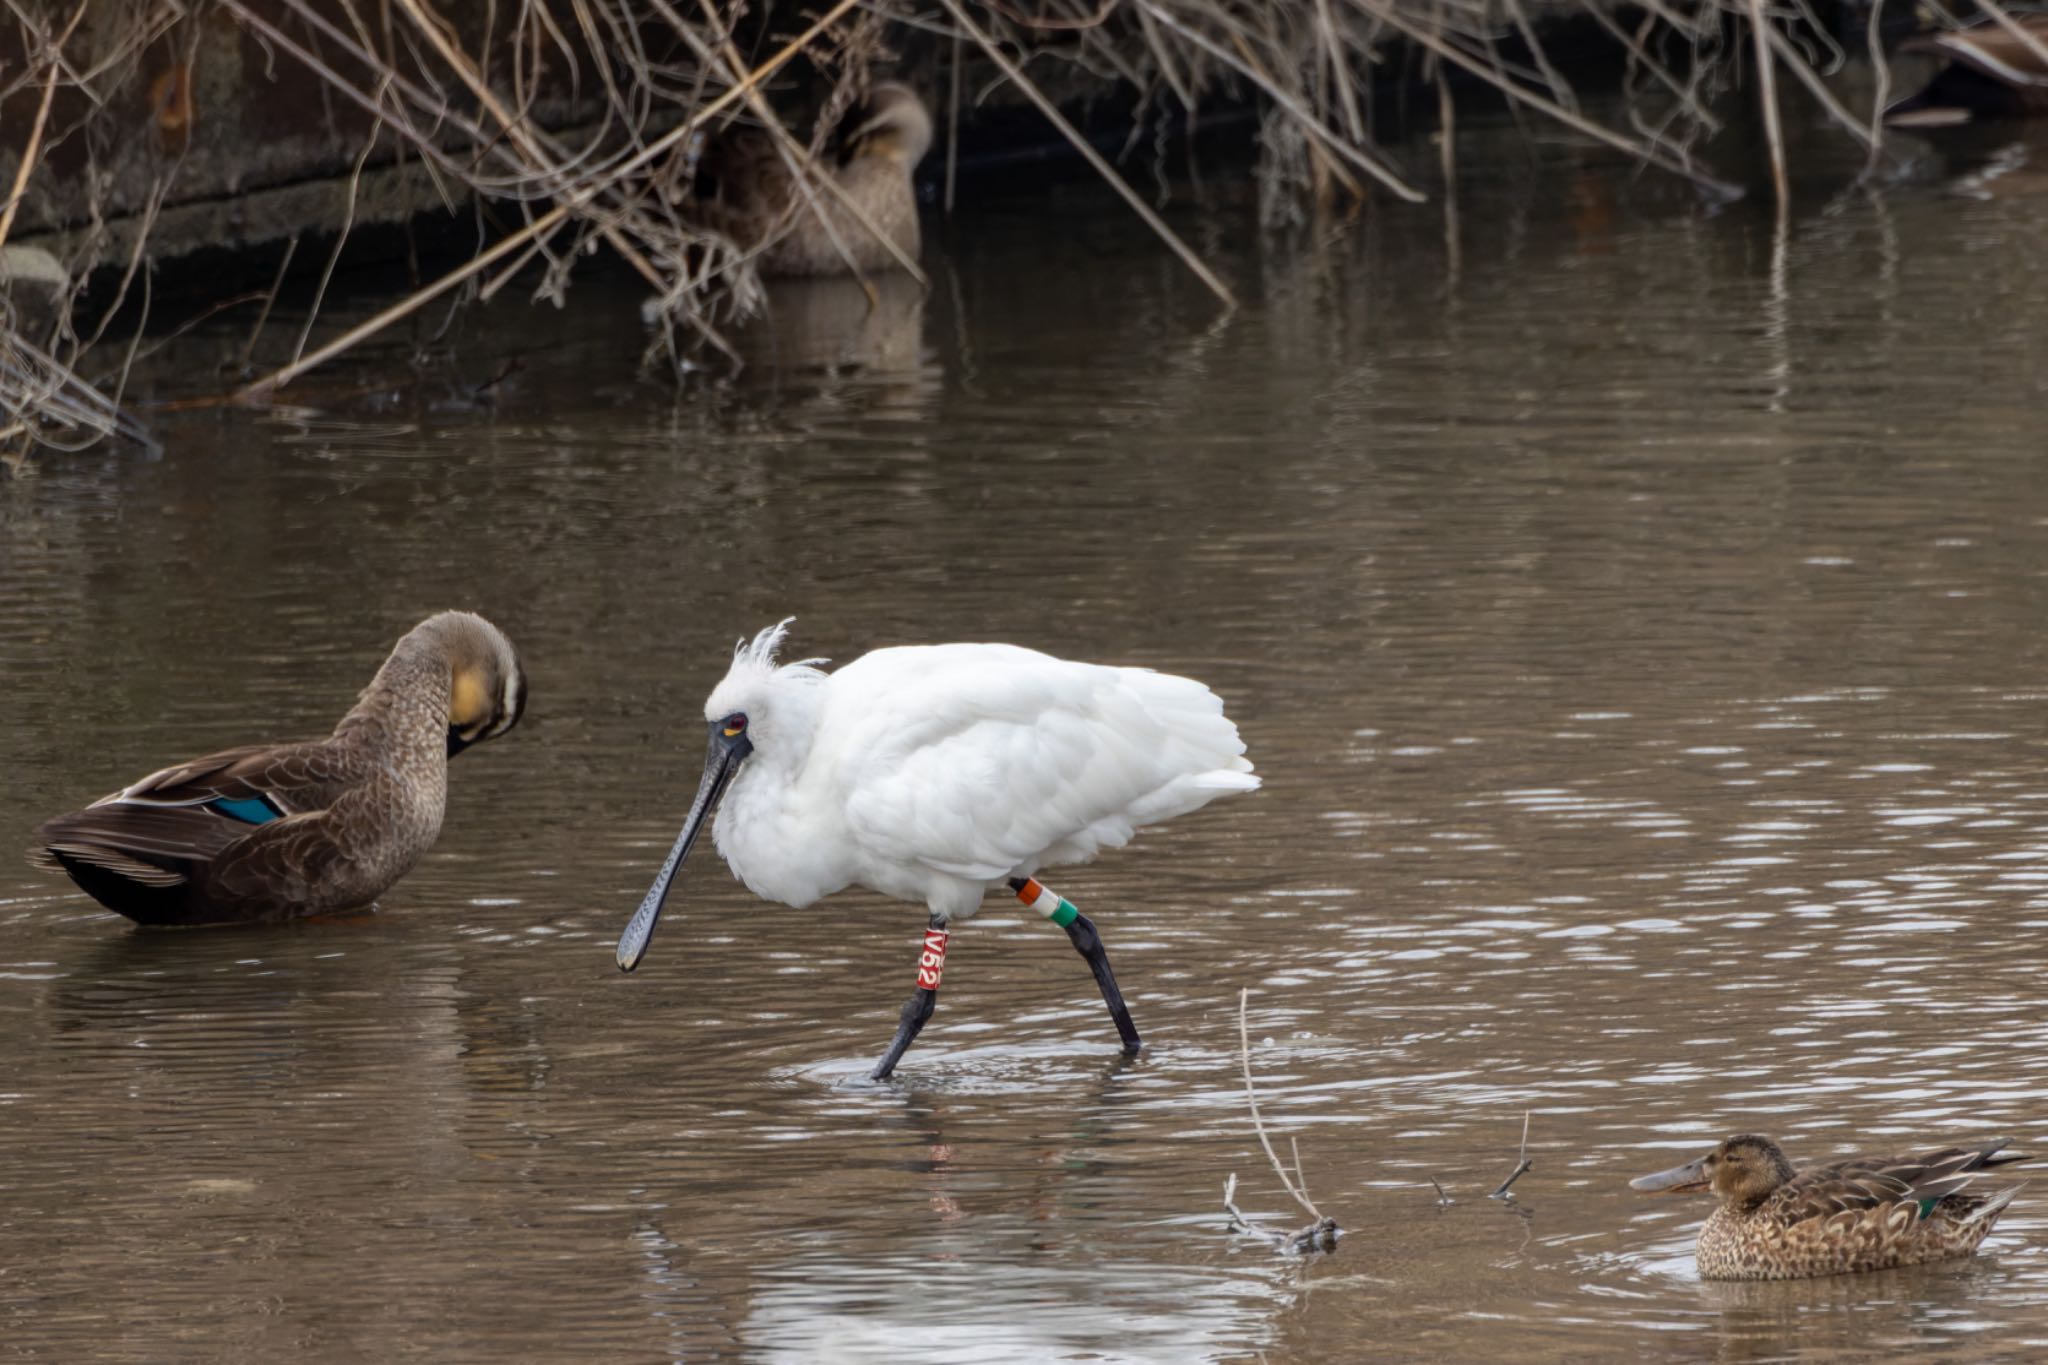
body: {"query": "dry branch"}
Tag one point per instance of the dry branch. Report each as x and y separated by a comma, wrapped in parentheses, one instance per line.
(656, 77)
(1522, 1164)
(1318, 1235)
(1767, 96)
(1089, 154)
(547, 221)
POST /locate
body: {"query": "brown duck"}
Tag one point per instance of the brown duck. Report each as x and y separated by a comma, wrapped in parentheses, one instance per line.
(1988, 71)
(741, 188)
(1864, 1213)
(275, 831)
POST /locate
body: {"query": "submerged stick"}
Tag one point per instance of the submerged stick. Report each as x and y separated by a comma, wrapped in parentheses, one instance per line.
(1090, 155)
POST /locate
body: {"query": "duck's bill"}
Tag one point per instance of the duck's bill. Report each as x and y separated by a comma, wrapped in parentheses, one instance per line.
(1686, 1179)
(721, 761)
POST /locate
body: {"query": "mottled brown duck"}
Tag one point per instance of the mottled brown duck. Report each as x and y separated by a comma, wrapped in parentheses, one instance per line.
(1864, 1213)
(1988, 72)
(283, 830)
(741, 188)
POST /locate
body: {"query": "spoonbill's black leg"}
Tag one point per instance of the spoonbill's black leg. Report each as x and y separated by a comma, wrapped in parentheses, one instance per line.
(1088, 943)
(931, 962)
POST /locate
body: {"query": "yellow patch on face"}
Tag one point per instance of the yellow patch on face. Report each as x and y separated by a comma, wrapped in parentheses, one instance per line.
(469, 700)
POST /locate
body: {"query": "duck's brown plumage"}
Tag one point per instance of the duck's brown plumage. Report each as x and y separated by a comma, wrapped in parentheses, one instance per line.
(270, 831)
(742, 189)
(1776, 1222)
(1988, 71)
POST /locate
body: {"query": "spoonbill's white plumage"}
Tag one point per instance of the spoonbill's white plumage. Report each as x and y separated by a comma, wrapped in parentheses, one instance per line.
(934, 773)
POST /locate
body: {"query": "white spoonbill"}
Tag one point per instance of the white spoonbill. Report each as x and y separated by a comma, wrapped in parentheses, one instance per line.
(934, 773)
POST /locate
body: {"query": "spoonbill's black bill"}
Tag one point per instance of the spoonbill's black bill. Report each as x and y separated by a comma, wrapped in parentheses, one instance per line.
(728, 749)
(934, 773)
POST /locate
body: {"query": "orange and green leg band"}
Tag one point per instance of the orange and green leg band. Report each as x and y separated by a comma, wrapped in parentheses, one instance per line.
(1045, 901)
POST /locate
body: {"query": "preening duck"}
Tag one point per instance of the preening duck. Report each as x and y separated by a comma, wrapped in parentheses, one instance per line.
(740, 187)
(280, 830)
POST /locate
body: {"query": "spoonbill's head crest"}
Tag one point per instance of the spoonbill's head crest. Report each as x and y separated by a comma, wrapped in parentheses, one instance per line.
(745, 702)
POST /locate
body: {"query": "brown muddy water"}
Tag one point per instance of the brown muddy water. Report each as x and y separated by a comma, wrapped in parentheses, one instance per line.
(1637, 620)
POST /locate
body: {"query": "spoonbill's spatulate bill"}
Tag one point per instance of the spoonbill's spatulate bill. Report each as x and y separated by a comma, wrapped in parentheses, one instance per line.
(934, 773)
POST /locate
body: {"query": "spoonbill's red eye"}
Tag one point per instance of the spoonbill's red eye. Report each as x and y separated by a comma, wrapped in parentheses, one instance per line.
(736, 723)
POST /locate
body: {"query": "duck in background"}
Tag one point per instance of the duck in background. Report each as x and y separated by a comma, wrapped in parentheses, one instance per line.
(739, 186)
(284, 830)
(1989, 71)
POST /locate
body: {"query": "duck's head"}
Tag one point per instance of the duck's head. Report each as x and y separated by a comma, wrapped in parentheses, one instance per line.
(896, 126)
(1741, 1171)
(759, 705)
(486, 686)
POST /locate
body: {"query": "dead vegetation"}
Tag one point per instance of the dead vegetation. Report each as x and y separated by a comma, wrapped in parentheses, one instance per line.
(467, 108)
(1322, 1232)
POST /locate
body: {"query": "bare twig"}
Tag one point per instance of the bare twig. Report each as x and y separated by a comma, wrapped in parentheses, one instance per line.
(1767, 97)
(952, 123)
(1808, 77)
(348, 219)
(2015, 30)
(1322, 1233)
(1295, 108)
(28, 155)
(1652, 151)
(291, 248)
(1090, 155)
(1522, 1164)
(32, 148)
(1251, 1099)
(1881, 96)
(546, 222)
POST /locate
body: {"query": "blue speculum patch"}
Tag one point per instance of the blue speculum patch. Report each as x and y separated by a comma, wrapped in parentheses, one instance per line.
(250, 810)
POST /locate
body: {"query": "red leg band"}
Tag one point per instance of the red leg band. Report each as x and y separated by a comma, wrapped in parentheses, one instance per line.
(931, 963)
